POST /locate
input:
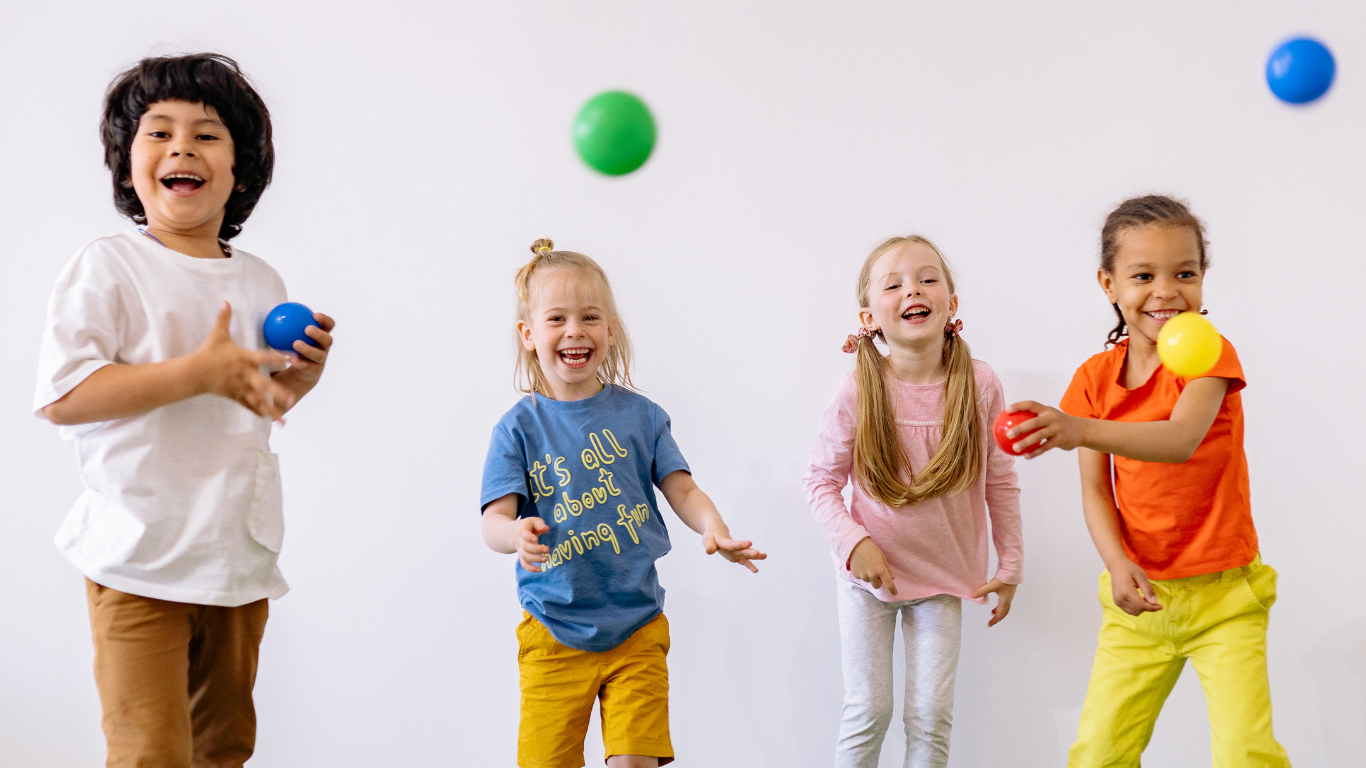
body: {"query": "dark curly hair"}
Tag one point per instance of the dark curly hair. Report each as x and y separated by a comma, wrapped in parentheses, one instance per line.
(210, 79)
(1145, 211)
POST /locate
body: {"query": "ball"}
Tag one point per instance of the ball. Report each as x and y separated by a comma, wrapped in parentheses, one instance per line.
(1300, 70)
(285, 325)
(1005, 421)
(614, 133)
(1188, 345)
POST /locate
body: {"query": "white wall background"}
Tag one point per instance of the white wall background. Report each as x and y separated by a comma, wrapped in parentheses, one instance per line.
(423, 146)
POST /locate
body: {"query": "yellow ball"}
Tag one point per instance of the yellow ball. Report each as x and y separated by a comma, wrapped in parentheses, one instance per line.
(1188, 345)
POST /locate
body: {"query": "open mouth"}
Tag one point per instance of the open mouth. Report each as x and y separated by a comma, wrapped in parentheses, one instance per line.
(182, 183)
(916, 313)
(575, 357)
(1162, 315)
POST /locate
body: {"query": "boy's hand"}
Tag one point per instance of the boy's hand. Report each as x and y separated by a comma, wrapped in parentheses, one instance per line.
(867, 563)
(1005, 593)
(1132, 591)
(530, 551)
(717, 539)
(1055, 430)
(307, 367)
(227, 370)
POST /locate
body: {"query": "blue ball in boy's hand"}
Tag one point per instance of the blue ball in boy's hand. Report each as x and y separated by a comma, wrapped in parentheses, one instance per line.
(285, 325)
(1300, 70)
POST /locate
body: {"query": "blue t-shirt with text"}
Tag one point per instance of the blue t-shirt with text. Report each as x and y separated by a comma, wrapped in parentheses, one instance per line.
(588, 469)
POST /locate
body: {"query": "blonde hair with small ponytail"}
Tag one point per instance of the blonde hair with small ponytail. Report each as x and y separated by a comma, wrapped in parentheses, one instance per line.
(615, 369)
(881, 465)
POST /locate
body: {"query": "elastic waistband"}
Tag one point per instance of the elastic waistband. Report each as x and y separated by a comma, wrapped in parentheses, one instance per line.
(1219, 576)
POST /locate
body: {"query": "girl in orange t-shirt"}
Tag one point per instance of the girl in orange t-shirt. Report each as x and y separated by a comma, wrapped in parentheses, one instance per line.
(1165, 494)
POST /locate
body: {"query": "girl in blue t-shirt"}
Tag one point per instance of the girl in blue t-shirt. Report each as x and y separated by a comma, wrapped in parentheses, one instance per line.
(569, 487)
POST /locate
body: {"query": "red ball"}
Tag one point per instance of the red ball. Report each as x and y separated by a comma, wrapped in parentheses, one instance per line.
(1004, 422)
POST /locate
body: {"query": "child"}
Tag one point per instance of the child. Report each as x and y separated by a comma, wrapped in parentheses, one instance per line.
(911, 429)
(574, 463)
(1172, 519)
(151, 362)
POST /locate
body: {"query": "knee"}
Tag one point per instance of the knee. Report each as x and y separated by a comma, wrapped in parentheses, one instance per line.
(874, 712)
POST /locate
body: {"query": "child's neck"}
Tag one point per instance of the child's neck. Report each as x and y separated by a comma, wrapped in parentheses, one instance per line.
(567, 392)
(913, 365)
(201, 242)
(1140, 362)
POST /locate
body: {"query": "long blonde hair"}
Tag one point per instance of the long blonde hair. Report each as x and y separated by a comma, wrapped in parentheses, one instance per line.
(615, 368)
(883, 469)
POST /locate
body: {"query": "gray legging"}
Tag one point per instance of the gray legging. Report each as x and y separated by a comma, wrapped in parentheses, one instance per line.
(932, 628)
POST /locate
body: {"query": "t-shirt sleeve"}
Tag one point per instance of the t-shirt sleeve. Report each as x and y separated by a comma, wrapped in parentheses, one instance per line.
(84, 329)
(1078, 400)
(1229, 368)
(504, 469)
(668, 458)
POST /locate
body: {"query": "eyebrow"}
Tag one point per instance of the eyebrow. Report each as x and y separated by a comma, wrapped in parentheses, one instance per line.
(589, 308)
(201, 121)
(1146, 265)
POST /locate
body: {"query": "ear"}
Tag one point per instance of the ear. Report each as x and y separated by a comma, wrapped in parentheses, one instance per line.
(865, 319)
(524, 333)
(953, 305)
(1107, 284)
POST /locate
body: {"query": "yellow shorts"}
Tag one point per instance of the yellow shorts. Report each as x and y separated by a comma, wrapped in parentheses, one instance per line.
(559, 685)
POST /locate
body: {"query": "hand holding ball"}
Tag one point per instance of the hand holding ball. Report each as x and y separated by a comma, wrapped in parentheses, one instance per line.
(1188, 345)
(1005, 421)
(287, 324)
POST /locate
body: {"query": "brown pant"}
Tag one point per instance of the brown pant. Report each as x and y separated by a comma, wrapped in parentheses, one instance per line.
(175, 679)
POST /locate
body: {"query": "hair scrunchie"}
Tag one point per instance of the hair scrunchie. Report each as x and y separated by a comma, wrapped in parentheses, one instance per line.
(851, 343)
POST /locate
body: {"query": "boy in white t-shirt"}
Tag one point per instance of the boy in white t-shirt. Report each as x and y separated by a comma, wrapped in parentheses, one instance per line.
(154, 365)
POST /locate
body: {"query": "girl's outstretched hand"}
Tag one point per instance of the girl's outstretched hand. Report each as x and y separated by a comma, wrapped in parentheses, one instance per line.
(1005, 593)
(867, 563)
(1055, 430)
(1132, 591)
(742, 552)
(530, 550)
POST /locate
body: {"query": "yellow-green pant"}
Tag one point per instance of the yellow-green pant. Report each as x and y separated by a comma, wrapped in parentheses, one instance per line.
(1218, 621)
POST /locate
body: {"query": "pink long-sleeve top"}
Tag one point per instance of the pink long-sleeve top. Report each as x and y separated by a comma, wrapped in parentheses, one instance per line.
(936, 547)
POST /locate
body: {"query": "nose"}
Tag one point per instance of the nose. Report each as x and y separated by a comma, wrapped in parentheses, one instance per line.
(182, 147)
(1164, 287)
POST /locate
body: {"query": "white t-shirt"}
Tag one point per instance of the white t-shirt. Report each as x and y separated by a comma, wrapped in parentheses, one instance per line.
(181, 503)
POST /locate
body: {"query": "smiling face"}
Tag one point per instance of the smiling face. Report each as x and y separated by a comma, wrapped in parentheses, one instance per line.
(181, 167)
(908, 297)
(569, 330)
(1157, 275)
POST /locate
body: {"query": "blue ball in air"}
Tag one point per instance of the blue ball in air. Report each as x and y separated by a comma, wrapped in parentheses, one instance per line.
(1300, 70)
(285, 325)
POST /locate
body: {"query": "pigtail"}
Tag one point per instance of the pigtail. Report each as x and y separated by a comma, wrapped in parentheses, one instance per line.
(879, 458)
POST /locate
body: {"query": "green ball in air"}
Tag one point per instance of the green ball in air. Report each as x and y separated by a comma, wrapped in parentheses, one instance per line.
(614, 133)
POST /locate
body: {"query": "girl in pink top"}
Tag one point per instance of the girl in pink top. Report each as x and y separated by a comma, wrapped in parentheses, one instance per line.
(909, 431)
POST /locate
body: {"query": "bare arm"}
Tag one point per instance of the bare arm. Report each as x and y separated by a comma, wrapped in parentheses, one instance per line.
(506, 533)
(697, 511)
(218, 367)
(1172, 441)
(1132, 591)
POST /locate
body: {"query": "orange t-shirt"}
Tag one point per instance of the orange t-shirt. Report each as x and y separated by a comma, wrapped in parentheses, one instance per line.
(1175, 520)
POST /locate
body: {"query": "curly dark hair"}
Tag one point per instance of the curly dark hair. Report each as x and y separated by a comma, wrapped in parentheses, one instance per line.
(210, 79)
(1145, 211)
